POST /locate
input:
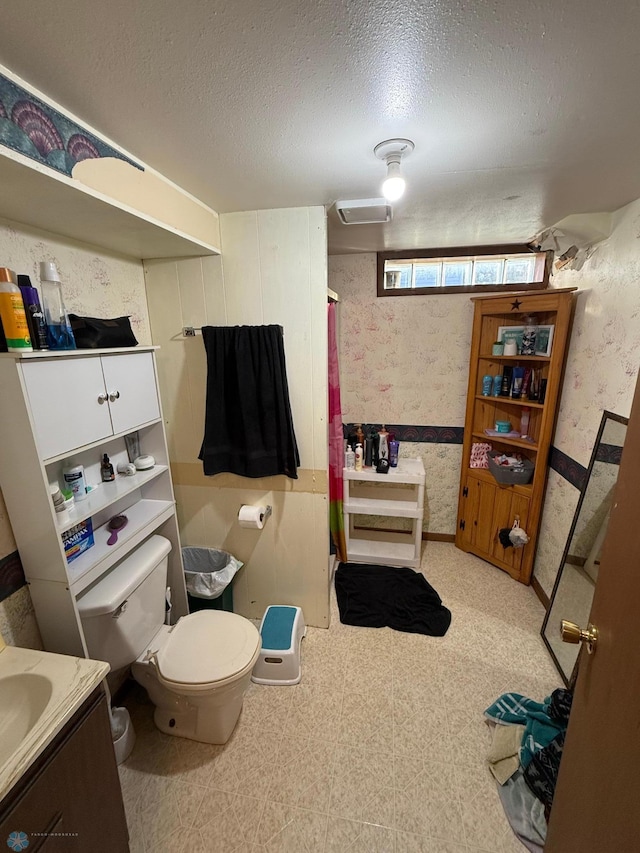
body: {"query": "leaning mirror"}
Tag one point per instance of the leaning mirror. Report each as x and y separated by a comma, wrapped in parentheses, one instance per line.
(576, 579)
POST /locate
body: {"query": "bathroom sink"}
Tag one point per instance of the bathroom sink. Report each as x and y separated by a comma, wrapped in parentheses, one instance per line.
(23, 699)
(39, 693)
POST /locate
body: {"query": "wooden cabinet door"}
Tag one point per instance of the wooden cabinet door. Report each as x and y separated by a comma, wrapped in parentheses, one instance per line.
(130, 381)
(73, 789)
(508, 507)
(64, 397)
(469, 513)
(477, 514)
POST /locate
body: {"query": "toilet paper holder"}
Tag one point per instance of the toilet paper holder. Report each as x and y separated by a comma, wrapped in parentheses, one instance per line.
(267, 511)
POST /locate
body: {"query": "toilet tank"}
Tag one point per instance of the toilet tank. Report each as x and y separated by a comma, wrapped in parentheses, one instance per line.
(122, 611)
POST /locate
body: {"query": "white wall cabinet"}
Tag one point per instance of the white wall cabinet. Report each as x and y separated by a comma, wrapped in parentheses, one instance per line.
(65, 408)
(76, 401)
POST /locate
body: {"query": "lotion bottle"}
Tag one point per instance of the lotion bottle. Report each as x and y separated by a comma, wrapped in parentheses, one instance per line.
(358, 457)
(14, 317)
(349, 458)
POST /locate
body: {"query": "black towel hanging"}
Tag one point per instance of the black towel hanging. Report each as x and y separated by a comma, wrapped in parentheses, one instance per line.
(248, 421)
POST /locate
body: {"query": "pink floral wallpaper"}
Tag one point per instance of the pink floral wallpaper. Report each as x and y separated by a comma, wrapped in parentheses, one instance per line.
(405, 360)
(601, 372)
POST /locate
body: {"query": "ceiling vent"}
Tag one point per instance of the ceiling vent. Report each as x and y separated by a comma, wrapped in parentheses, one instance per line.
(363, 211)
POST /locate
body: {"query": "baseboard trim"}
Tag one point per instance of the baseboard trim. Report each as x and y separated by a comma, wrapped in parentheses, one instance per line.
(426, 536)
(542, 595)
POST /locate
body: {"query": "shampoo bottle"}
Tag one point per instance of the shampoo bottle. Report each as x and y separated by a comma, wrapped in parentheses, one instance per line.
(14, 318)
(34, 312)
(394, 447)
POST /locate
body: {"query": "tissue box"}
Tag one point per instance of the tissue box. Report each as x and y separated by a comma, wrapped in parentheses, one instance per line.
(77, 540)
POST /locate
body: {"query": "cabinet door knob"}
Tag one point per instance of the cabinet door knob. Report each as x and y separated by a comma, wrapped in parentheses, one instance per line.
(113, 396)
(102, 398)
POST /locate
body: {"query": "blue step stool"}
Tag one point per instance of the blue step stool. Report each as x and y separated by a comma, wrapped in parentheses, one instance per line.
(282, 629)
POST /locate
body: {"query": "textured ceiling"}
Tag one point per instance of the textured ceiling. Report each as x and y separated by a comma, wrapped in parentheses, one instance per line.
(522, 111)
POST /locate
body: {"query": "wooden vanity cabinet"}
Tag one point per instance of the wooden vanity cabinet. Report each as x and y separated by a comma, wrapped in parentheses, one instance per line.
(486, 506)
(70, 801)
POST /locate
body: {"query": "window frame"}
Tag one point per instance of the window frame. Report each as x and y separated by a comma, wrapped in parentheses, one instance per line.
(542, 269)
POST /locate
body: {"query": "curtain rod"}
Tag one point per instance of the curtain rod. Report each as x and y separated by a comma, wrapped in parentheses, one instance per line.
(192, 331)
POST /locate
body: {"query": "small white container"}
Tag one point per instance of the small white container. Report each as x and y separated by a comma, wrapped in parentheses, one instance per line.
(74, 478)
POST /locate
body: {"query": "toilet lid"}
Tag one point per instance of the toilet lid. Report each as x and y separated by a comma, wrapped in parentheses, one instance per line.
(207, 646)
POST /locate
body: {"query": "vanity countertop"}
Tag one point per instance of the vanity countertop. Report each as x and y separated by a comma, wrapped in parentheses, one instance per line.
(39, 693)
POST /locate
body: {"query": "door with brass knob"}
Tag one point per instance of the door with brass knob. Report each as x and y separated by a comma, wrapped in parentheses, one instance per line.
(595, 806)
(572, 633)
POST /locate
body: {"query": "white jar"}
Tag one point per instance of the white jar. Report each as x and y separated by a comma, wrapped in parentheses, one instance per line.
(74, 478)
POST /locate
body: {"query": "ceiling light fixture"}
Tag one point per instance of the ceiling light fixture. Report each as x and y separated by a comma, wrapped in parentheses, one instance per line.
(392, 151)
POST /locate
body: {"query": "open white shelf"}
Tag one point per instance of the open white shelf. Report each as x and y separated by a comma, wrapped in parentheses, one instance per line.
(394, 509)
(409, 473)
(108, 493)
(383, 553)
(144, 517)
(43, 198)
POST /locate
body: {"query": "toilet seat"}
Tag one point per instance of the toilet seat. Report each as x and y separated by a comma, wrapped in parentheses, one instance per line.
(205, 650)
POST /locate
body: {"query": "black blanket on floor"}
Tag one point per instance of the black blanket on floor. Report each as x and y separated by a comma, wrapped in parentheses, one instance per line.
(375, 596)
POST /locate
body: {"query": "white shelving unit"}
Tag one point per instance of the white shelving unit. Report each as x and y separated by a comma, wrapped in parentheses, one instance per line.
(398, 494)
(71, 408)
(44, 198)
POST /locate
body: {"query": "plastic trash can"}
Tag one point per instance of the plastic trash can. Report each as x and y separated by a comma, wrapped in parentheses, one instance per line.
(208, 577)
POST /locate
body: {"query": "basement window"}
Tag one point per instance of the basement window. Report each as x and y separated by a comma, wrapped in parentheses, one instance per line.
(465, 269)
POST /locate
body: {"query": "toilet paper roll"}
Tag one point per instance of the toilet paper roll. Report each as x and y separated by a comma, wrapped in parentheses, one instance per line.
(252, 516)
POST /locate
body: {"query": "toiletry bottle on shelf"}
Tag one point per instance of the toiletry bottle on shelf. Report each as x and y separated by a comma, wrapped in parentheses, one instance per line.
(14, 318)
(383, 444)
(524, 422)
(59, 332)
(359, 435)
(350, 458)
(374, 441)
(497, 384)
(394, 447)
(358, 461)
(487, 385)
(106, 470)
(34, 312)
(368, 451)
(74, 478)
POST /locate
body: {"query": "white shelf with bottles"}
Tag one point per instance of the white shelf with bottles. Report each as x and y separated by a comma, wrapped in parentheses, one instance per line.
(398, 494)
(70, 409)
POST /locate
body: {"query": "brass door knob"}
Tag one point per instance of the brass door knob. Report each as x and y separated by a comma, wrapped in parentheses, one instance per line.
(572, 633)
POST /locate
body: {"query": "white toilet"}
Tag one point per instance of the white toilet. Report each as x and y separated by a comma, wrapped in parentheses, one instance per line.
(196, 672)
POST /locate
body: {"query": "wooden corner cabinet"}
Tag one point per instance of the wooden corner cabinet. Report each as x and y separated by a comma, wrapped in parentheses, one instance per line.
(486, 506)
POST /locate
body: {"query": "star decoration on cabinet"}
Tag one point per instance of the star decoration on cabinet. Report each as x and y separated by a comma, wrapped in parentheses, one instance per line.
(515, 305)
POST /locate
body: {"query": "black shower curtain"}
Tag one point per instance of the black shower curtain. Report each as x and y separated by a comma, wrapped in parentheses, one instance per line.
(248, 422)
